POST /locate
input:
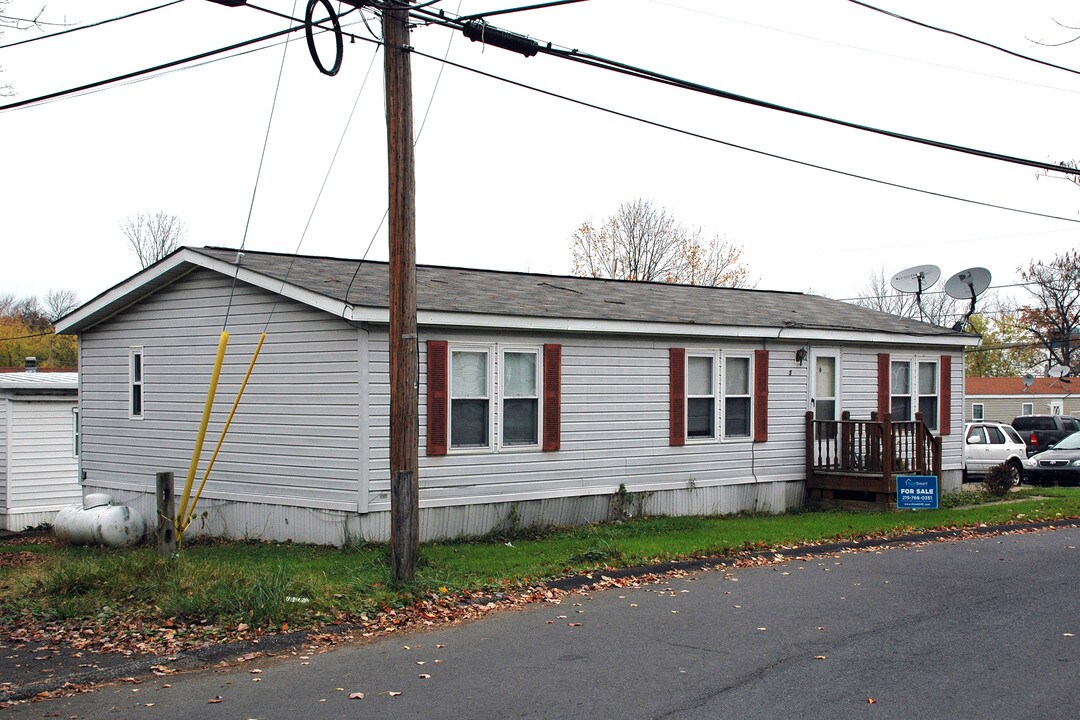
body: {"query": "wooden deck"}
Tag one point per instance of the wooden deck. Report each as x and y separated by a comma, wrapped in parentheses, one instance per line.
(857, 461)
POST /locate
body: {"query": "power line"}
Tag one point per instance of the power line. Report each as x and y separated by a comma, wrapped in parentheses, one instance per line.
(85, 27)
(964, 37)
(146, 71)
(663, 79)
(522, 8)
(701, 136)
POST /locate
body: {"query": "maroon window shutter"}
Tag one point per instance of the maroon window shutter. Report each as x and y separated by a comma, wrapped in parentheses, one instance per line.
(437, 397)
(677, 408)
(761, 395)
(552, 396)
(884, 368)
(945, 405)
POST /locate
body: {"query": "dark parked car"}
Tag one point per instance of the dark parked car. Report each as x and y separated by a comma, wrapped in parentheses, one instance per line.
(1058, 466)
(1042, 431)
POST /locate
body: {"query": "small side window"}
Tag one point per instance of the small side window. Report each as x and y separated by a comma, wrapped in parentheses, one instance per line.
(995, 435)
(1027, 409)
(977, 411)
(135, 369)
(75, 439)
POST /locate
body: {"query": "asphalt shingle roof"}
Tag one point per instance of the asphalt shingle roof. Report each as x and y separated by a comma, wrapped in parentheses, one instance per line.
(460, 290)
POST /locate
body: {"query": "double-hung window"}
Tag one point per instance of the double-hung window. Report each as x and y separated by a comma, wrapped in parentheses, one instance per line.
(76, 439)
(737, 397)
(135, 376)
(900, 407)
(520, 384)
(470, 399)
(928, 393)
(914, 388)
(718, 404)
(1027, 408)
(977, 411)
(700, 397)
(494, 397)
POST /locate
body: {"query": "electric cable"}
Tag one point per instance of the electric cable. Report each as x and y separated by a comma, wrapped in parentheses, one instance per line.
(90, 25)
(258, 172)
(147, 71)
(700, 136)
(506, 11)
(642, 73)
(963, 37)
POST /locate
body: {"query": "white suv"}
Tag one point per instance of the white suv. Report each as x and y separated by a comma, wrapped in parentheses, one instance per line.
(987, 444)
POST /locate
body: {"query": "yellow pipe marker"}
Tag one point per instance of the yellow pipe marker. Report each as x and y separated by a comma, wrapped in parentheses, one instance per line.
(197, 452)
(213, 458)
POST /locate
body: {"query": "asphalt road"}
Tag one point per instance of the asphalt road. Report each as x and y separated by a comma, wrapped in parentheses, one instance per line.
(984, 628)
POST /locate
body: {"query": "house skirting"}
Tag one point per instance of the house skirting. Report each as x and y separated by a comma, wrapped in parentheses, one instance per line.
(19, 520)
(261, 521)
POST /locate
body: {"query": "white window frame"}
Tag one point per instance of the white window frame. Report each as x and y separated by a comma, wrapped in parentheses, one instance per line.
(719, 360)
(749, 395)
(139, 383)
(1057, 407)
(76, 437)
(1027, 408)
(935, 425)
(812, 391)
(978, 412)
(914, 367)
(496, 354)
(500, 391)
(488, 350)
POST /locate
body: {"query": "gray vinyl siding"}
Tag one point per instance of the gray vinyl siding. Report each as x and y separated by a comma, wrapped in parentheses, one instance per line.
(615, 394)
(5, 413)
(295, 437)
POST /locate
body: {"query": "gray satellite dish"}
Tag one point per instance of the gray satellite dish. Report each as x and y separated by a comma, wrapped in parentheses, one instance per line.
(1058, 371)
(916, 279)
(1029, 380)
(968, 284)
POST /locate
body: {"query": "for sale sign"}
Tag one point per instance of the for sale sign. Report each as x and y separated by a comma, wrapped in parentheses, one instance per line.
(917, 492)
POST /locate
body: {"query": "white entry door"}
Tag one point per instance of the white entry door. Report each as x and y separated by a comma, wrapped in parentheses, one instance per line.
(825, 384)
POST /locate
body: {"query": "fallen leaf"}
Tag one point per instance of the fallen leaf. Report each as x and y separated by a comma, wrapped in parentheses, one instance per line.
(819, 657)
(214, 700)
(393, 694)
(762, 629)
(423, 676)
(356, 696)
(420, 662)
(254, 671)
(440, 646)
(574, 624)
(871, 700)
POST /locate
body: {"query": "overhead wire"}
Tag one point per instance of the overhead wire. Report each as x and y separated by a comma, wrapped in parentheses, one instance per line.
(91, 25)
(258, 176)
(507, 11)
(962, 36)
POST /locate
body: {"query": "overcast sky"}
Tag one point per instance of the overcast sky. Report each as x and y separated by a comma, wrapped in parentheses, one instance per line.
(505, 174)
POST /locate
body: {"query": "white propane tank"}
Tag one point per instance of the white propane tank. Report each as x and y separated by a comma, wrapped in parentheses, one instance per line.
(98, 521)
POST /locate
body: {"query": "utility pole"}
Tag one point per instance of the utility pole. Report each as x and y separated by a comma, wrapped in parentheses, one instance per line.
(404, 371)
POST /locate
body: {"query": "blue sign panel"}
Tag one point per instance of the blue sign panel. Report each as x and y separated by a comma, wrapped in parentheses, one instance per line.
(917, 492)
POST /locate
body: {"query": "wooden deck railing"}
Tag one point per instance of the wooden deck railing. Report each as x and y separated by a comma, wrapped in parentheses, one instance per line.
(866, 455)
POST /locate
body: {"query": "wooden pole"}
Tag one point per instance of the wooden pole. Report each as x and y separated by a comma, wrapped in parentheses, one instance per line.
(404, 371)
(166, 515)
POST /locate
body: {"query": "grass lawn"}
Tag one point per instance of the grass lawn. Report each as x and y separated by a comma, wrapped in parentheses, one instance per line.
(212, 586)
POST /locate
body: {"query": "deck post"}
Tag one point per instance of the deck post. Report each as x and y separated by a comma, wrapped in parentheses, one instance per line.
(809, 446)
(920, 444)
(887, 455)
(845, 442)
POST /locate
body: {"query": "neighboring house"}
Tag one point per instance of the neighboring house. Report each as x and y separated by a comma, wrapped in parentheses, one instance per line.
(1002, 398)
(39, 446)
(540, 396)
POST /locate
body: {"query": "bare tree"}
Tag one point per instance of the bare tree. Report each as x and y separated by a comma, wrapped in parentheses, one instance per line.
(59, 303)
(936, 307)
(644, 242)
(1054, 319)
(152, 237)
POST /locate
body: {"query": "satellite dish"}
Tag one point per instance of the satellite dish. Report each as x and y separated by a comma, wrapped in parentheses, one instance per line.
(1058, 371)
(968, 284)
(1029, 380)
(916, 279)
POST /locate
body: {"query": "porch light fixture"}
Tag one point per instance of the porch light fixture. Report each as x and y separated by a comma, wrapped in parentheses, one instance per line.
(800, 355)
